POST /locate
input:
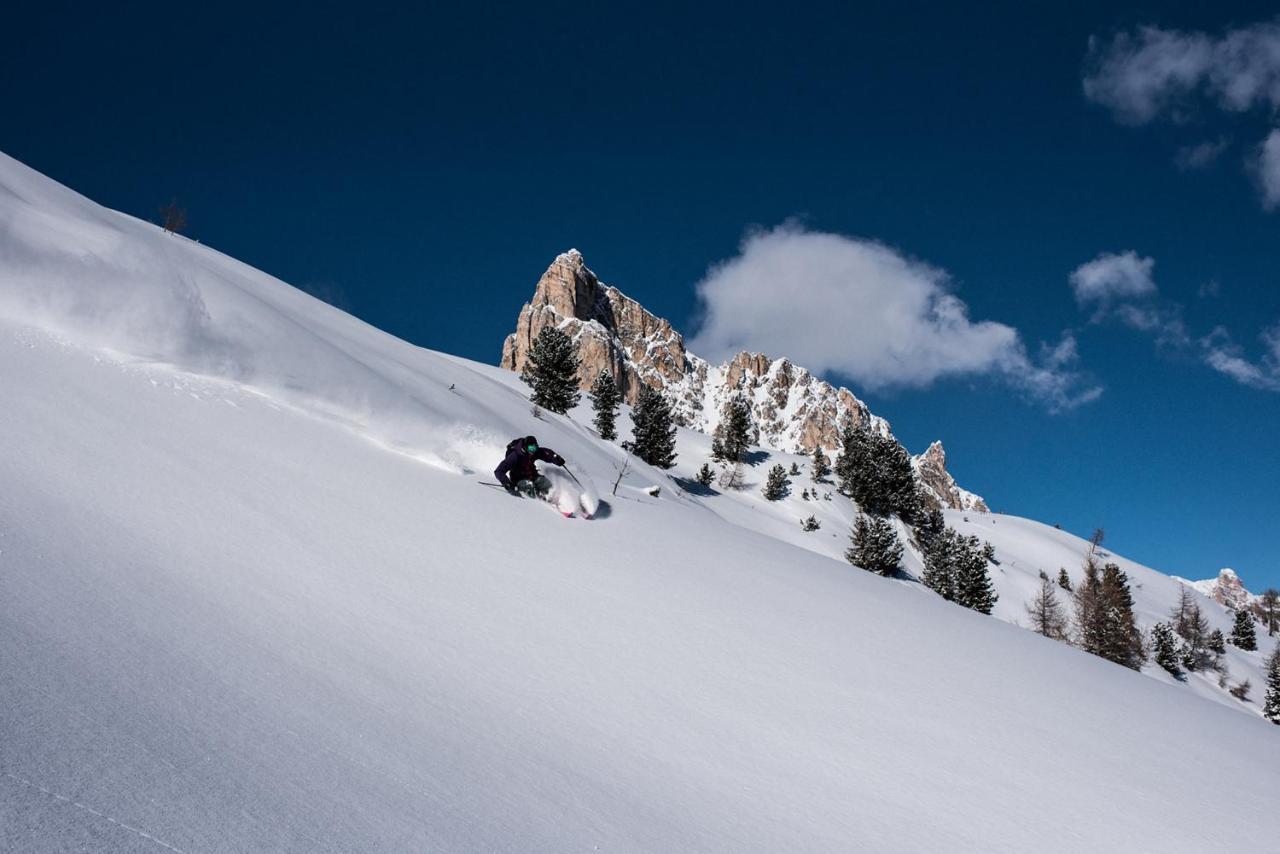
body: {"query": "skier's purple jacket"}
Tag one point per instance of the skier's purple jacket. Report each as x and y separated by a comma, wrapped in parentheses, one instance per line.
(519, 463)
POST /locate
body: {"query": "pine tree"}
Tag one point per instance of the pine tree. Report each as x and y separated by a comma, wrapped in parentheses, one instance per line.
(552, 371)
(654, 434)
(853, 464)
(973, 584)
(1270, 604)
(896, 489)
(705, 475)
(875, 546)
(604, 400)
(1090, 612)
(733, 435)
(777, 486)
(1164, 648)
(939, 552)
(1064, 580)
(1181, 613)
(821, 466)
(1271, 705)
(1242, 633)
(1047, 617)
(810, 524)
(1216, 642)
(1122, 640)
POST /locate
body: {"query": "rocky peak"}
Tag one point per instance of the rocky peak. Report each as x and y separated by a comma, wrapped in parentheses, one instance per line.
(937, 484)
(792, 410)
(1227, 589)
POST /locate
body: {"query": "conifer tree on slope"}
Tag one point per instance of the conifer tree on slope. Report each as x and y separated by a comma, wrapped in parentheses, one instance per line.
(777, 486)
(896, 491)
(821, 465)
(875, 546)
(1216, 642)
(1090, 615)
(1064, 580)
(973, 584)
(604, 400)
(939, 553)
(552, 371)
(653, 432)
(854, 468)
(1122, 640)
(1047, 617)
(733, 434)
(1271, 705)
(1164, 648)
(1242, 633)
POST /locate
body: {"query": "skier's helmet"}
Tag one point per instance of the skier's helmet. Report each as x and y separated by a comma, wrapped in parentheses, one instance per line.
(531, 444)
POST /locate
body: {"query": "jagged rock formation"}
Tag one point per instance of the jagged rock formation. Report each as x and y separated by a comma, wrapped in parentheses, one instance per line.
(938, 486)
(1227, 589)
(792, 410)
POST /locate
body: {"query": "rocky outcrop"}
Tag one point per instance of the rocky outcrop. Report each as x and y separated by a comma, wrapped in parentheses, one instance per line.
(792, 410)
(939, 487)
(613, 331)
(1227, 589)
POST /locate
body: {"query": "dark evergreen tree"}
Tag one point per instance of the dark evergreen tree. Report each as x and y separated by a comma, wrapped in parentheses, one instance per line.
(777, 486)
(604, 400)
(733, 435)
(653, 433)
(1047, 617)
(794, 470)
(552, 371)
(973, 584)
(1271, 705)
(854, 467)
(1122, 641)
(705, 475)
(810, 524)
(1242, 633)
(821, 465)
(1064, 580)
(875, 546)
(939, 553)
(896, 490)
(1164, 648)
(1216, 642)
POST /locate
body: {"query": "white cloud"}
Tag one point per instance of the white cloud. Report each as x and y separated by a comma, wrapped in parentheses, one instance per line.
(859, 309)
(1141, 74)
(1267, 168)
(1111, 277)
(1225, 356)
(1201, 155)
(1150, 72)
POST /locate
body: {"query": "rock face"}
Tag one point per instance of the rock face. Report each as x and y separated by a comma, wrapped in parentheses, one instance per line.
(792, 410)
(938, 486)
(1227, 589)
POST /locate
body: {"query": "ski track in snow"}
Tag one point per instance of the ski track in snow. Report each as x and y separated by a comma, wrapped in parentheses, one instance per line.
(113, 820)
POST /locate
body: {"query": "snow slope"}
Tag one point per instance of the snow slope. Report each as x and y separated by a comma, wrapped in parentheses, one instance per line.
(252, 599)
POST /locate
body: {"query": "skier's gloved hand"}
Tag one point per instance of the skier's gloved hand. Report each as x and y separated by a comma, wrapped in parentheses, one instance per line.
(559, 460)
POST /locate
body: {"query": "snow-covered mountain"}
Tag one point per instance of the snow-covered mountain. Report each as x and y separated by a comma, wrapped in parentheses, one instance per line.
(792, 410)
(253, 597)
(1227, 589)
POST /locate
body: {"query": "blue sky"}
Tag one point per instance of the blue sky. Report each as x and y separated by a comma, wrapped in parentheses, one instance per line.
(421, 168)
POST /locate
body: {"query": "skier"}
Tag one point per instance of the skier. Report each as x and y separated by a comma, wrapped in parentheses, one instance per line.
(518, 473)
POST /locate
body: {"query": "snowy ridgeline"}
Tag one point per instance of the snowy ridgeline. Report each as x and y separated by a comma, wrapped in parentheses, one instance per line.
(238, 614)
